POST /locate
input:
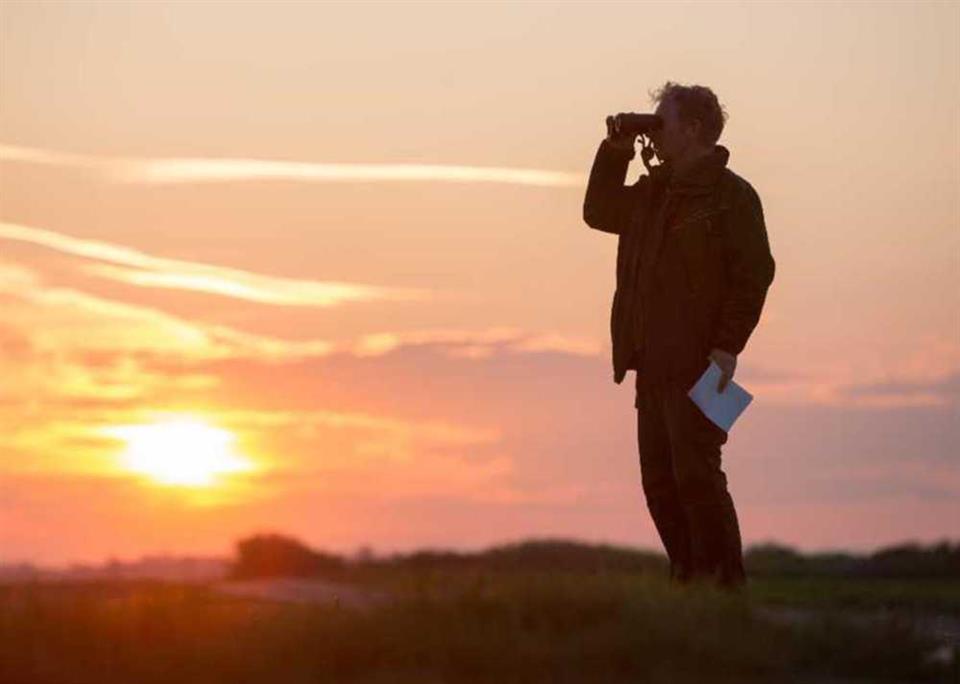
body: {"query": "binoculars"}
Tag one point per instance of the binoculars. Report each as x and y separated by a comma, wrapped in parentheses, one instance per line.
(630, 124)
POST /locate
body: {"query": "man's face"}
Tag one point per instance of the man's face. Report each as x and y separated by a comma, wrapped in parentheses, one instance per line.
(674, 139)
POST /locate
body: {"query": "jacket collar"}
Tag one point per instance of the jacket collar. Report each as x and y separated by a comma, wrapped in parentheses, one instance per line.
(697, 179)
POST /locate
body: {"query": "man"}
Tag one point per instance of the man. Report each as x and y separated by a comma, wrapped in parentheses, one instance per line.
(693, 270)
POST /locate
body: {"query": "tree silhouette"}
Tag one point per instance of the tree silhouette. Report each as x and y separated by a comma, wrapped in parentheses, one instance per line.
(276, 555)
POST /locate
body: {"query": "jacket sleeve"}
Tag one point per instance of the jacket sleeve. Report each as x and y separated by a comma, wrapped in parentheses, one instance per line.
(749, 268)
(607, 203)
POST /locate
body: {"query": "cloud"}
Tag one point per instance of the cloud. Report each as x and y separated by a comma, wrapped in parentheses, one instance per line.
(73, 320)
(930, 391)
(476, 343)
(66, 321)
(534, 440)
(144, 270)
(813, 391)
(35, 155)
(70, 319)
(307, 421)
(212, 170)
(331, 453)
(927, 376)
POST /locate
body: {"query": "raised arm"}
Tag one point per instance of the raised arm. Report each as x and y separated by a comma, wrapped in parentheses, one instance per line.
(608, 201)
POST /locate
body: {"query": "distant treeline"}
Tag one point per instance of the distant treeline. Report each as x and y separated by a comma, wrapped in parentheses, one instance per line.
(270, 555)
(905, 560)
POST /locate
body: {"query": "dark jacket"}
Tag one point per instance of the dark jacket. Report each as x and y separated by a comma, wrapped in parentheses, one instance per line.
(693, 262)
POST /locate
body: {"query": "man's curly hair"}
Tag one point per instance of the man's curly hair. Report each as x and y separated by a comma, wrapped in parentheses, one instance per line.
(696, 102)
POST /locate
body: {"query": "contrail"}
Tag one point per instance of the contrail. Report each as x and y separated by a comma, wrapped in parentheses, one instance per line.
(164, 171)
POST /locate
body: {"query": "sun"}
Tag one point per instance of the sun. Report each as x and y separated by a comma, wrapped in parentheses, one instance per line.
(179, 451)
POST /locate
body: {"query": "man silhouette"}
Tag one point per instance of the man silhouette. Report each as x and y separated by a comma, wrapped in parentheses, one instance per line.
(693, 270)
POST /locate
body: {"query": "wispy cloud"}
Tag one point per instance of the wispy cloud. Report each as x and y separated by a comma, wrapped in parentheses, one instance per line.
(212, 170)
(934, 391)
(138, 268)
(477, 343)
(77, 320)
(73, 320)
(70, 319)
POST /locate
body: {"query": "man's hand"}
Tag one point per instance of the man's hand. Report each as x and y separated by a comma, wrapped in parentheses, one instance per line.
(616, 138)
(727, 363)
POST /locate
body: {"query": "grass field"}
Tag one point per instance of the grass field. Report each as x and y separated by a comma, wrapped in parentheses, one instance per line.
(469, 626)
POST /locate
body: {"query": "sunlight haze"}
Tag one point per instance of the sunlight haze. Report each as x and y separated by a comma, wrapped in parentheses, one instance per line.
(321, 268)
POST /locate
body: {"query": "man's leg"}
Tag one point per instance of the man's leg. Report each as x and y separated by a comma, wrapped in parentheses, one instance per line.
(659, 486)
(702, 486)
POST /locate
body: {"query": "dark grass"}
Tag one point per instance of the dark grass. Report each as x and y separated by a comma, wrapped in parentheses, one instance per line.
(861, 593)
(465, 626)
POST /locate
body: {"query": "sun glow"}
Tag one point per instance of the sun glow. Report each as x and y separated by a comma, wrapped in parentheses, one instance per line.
(182, 451)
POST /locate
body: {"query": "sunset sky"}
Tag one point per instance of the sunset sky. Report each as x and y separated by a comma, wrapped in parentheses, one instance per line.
(321, 269)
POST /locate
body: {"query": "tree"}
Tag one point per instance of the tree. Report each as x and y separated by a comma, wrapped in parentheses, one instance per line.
(276, 555)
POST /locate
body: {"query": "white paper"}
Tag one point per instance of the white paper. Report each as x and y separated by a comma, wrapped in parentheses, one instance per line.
(723, 408)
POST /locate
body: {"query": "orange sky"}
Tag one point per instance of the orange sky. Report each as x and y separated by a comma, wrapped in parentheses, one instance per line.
(346, 241)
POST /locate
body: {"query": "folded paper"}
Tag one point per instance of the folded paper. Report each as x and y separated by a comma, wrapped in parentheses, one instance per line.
(723, 408)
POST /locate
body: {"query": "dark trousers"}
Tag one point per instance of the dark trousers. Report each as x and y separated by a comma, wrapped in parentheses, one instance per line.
(685, 488)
